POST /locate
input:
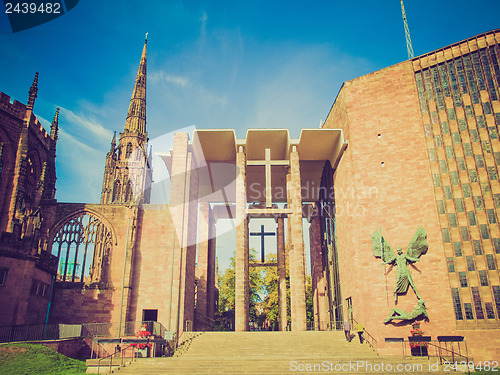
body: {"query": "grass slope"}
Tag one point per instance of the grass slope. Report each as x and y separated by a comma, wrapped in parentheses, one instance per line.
(27, 359)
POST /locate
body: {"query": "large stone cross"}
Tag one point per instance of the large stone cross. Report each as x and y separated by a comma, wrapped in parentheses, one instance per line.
(268, 163)
(262, 235)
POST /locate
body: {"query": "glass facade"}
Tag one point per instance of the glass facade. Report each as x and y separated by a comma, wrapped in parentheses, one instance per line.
(458, 89)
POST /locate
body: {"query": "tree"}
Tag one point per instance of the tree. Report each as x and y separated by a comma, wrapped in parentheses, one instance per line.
(270, 308)
(227, 288)
(263, 291)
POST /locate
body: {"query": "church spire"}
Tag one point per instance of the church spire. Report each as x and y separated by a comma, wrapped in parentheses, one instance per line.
(136, 117)
(33, 91)
(127, 175)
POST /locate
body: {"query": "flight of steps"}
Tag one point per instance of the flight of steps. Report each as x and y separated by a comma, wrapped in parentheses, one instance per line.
(272, 353)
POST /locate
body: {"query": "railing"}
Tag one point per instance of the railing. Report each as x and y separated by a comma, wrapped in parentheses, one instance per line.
(426, 347)
(368, 337)
(99, 351)
(339, 326)
(127, 329)
(200, 318)
(335, 325)
(32, 332)
(110, 356)
(324, 325)
(451, 340)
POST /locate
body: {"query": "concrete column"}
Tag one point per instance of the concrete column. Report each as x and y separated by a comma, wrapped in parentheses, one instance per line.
(242, 256)
(188, 265)
(318, 281)
(281, 273)
(177, 208)
(289, 240)
(211, 282)
(203, 264)
(184, 208)
(297, 266)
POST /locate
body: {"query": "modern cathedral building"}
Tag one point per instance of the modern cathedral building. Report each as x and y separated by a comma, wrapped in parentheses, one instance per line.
(407, 157)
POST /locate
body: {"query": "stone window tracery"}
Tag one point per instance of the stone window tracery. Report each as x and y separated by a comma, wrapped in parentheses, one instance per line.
(129, 151)
(129, 194)
(117, 187)
(81, 245)
(32, 175)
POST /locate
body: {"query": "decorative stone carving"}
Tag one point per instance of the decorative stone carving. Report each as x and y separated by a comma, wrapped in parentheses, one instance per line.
(399, 314)
(417, 247)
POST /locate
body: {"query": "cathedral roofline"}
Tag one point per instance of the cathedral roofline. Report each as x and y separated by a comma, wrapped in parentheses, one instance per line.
(472, 38)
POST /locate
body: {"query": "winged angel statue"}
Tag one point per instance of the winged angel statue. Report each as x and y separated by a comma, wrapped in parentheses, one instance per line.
(417, 247)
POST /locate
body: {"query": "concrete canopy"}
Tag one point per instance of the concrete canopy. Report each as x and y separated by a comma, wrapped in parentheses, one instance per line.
(215, 153)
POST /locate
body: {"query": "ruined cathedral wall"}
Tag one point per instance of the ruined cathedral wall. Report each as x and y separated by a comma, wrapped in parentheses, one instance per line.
(23, 301)
(11, 122)
(152, 273)
(384, 180)
(97, 300)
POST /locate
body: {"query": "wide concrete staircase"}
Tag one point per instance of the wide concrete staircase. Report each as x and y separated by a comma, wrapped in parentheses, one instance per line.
(275, 353)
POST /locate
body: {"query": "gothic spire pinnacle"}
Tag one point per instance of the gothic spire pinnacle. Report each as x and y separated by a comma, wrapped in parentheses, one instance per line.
(32, 93)
(54, 128)
(136, 117)
(113, 143)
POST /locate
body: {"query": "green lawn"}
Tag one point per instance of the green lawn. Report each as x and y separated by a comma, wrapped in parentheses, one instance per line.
(27, 359)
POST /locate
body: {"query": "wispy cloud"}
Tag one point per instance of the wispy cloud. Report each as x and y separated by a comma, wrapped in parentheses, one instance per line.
(81, 167)
(160, 76)
(82, 122)
(81, 150)
(203, 26)
(195, 90)
(66, 137)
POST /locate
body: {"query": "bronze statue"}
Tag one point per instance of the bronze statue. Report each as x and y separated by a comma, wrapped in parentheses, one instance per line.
(418, 246)
(399, 314)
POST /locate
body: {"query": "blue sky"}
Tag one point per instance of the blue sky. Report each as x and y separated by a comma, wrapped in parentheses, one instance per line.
(211, 64)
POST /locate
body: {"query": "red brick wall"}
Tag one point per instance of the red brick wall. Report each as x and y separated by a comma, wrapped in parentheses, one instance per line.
(397, 196)
(18, 306)
(151, 283)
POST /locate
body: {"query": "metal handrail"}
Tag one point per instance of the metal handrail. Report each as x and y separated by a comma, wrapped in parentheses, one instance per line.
(111, 357)
(436, 344)
(56, 331)
(453, 353)
(100, 348)
(373, 342)
(204, 319)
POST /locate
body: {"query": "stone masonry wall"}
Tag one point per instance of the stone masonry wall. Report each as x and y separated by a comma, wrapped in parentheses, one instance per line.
(384, 180)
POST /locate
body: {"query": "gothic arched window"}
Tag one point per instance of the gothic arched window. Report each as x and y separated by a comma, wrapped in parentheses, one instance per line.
(129, 194)
(137, 153)
(117, 189)
(81, 244)
(5, 170)
(129, 151)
